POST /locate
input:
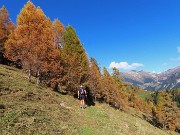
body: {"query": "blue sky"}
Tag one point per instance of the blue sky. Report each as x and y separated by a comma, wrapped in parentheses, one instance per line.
(128, 34)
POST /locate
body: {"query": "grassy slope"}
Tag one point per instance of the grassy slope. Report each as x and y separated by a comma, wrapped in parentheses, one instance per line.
(143, 94)
(34, 110)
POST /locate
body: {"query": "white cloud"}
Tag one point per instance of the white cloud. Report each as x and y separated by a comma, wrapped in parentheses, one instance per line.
(125, 65)
(175, 59)
(153, 71)
(178, 49)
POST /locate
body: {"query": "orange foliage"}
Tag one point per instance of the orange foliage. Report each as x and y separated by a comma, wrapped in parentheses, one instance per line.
(32, 41)
(58, 29)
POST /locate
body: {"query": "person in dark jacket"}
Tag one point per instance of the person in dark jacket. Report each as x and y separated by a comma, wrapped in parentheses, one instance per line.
(82, 94)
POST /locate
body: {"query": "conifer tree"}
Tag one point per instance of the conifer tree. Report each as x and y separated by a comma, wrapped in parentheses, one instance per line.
(32, 41)
(122, 90)
(117, 79)
(76, 64)
(116, 76)
(6, 27)
(176, 96)
(94, 78)
(165, 112)
(109, 90)
(58, 29)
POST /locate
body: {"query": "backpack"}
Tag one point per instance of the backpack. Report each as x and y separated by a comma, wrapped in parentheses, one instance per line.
(81, 91)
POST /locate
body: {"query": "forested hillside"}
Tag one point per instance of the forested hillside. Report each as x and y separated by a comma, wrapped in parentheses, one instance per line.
(52, 54)
(26, 108)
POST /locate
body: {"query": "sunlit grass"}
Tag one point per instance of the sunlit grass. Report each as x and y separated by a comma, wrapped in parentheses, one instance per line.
(30, 109)
(143, 94)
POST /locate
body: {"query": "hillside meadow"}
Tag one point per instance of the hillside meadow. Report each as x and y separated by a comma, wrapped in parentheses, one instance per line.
(26, 108)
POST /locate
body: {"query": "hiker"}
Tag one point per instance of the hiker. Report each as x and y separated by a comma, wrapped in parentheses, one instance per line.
(82, 95)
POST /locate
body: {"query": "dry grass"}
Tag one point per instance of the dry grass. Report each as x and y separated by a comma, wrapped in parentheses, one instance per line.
(26, 109)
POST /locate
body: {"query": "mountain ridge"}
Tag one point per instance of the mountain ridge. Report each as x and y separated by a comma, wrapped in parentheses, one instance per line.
(168, 79)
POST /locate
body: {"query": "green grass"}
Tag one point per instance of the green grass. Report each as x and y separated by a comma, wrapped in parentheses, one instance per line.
(143, 94)
(30, 109)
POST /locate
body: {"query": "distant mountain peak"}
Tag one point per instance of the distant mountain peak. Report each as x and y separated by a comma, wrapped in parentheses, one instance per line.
(154, 81)
(133, 70)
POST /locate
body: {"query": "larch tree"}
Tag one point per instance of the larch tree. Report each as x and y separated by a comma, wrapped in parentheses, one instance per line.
(166, 113)
(32, 41)
(6, 27)
(116, 76)
(76, 64)
(109, 89)
(57, 68)
(176, 96)
(58, 29)
(20, 46)
(122, 91)
(94, 79)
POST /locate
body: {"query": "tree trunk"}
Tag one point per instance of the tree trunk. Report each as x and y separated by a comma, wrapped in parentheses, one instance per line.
(29, 75)
(38, 78)
(94, 96)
